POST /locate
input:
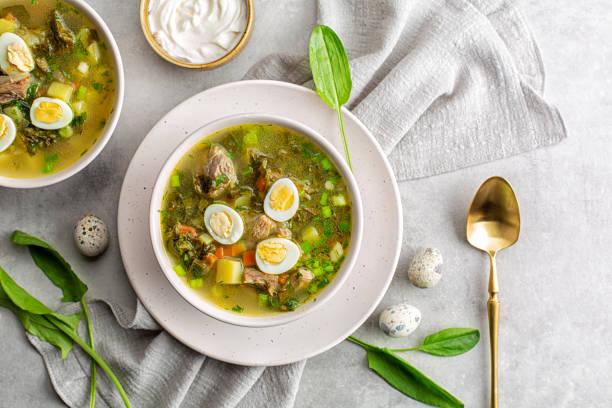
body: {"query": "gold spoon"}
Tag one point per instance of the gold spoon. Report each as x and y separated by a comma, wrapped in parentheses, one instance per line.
(493, 223)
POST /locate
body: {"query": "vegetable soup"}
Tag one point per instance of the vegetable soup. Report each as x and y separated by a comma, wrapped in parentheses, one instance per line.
(57, 87)
(256, 219)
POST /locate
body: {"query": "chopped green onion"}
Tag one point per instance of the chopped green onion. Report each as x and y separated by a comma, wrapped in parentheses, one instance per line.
(47, 168)
(81, 93)
(306, 246)
(196, 283)
(326, 164)
(329, 268)
(237, 309)
(326, 212)
(262, 299)
(338, 200)
(327, 228)
(250, 138)
(180, 271)
(317, 271)
(247, 172)
(175, 180)
(205, 239)
(323, 200)
(65, 132)
(344, 226)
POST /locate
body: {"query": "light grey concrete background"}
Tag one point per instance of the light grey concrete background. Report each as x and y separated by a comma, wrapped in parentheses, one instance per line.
(556, 331)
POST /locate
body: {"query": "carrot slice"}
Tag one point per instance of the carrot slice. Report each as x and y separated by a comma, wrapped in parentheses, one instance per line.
(187, 229)
(210, 259)
(282, 279)
(261, 183)
(219, 252)
(248, 258)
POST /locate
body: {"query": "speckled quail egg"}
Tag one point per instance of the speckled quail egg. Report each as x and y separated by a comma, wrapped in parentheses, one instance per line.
(399, 320)
(7, 132)
(50, 113)
(15, 56)
(282, 201)
(276, 255)
(223, 223)
(91, 235)
(425, 269)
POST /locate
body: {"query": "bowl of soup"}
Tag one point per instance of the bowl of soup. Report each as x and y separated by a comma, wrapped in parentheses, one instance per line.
(61, 90)
(256, 220)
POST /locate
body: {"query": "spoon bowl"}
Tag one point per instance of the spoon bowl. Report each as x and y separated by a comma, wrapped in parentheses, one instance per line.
(493, 223)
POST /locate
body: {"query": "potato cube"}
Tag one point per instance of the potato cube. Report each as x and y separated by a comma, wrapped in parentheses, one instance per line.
(60, 91)
(229, 271)
(95, 55)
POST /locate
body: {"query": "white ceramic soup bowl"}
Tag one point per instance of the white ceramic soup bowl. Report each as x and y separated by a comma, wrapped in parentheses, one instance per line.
(195, 299)
(111, 123)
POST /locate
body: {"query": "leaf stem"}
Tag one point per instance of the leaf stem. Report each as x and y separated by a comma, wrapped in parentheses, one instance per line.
(93, 355)
(346, 151)
(406, 349)
(360, 342)
(92, 393)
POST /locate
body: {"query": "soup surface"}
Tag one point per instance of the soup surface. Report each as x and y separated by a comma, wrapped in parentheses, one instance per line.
(57, 86)
(256, 219)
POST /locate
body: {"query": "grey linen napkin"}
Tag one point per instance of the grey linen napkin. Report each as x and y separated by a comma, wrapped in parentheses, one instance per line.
(442, 84)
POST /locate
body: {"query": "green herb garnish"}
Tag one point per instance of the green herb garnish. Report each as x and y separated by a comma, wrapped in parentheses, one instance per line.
(331, 73)
(39, 320)
(237, 309)
(412, 382)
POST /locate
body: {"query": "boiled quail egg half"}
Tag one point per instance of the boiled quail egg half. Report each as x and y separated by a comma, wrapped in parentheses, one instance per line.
(50, 113)
(7, 132)
(15, 56)
(223, 223)
(276, 255)
(282, 201)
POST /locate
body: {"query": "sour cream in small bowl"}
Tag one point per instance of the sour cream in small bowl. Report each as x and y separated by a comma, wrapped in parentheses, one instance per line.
(197, 34)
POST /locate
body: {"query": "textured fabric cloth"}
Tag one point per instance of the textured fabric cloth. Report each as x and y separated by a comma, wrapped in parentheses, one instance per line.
(157, 371)
(442, 84)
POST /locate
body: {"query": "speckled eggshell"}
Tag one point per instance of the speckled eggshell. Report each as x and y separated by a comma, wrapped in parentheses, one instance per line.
(426, 268)
(399, 320)
(91, 235)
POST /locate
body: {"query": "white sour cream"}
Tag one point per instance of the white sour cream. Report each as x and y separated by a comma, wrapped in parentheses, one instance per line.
(197, 31)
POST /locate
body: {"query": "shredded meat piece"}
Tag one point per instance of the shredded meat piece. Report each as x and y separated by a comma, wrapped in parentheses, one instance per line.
(302, 278)
(13, 87)
(283, 232)
(217, 174)
(261, 280)
(262, 228)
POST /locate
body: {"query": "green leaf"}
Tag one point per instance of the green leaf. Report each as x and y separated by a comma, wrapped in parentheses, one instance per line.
(406, 378)
(53, 265)
(330, 72)
(36, 323)
(450, 342)
(329, 65)
(20, 297)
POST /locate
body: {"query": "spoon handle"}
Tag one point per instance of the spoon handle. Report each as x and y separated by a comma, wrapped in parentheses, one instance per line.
(493, 313)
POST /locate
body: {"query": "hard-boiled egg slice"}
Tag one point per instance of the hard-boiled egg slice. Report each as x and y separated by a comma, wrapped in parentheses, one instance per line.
(7, 132)
(223, 223)
(282, 201)
(15, 56)
(276, 255)
(50, 113)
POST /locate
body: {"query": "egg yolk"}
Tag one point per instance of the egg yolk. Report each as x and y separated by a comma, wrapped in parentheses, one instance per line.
(48, 112)
(3, 127)
(221, 224)
(19, 56)
(281, 198)
(272, 252)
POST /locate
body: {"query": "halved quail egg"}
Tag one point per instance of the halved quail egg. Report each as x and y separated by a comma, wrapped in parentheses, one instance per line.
(15, 56)
(276, 255)
(7, 132)
(50, 113)
(223, 223)
(282, 201)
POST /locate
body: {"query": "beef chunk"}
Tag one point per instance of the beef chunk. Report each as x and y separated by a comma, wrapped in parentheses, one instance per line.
(13, 87)
(262, 228)
(216, 175)
(263, 281)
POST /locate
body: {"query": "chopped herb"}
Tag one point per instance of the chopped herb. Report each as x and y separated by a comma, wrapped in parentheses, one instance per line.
(52, 158)
(237, 309)
(344, 226)
(247, 172)
(326, 212)
(306, 247)
(326, 164)
(32, 89)
(102, 124)
(78, 120)
(221, 179)
(97, 86)
(292, 303)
